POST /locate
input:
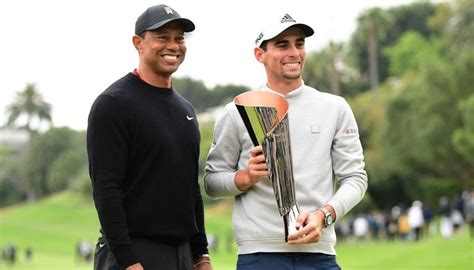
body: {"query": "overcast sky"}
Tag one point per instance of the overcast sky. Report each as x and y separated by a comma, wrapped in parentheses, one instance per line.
(73, 50)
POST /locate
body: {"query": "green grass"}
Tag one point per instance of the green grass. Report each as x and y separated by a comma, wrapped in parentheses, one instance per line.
(434, 253)
(52, 227)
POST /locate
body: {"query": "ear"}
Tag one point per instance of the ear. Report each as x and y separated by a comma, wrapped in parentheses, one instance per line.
(258, 52)
(137, 42)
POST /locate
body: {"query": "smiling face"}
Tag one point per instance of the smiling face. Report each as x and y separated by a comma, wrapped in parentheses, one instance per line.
(161, 51)
(283, 57)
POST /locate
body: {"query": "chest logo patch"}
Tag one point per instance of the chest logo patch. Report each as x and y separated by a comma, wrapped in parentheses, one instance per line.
(315, 129)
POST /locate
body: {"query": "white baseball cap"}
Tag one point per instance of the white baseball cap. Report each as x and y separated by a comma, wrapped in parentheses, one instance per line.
(274, 29)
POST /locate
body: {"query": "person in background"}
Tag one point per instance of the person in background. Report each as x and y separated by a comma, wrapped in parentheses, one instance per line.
(428, 226)
(361, 228)
(28, 253)
(143, 147)
(469, 211)
(445, 223)
(404, 225)
(415, 219)
(326, 152)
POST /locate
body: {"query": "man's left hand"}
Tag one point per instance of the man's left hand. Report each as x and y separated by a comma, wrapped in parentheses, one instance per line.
(202, 263)
(310, 226)
(206, 266)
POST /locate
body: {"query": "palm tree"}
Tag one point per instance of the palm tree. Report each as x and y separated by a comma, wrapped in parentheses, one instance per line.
(335, 51)
(374, 21)
(29, 103)
(367, 43)
(461, 25)
(323, 68)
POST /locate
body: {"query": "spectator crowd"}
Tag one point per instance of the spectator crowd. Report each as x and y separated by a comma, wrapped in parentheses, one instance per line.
(411, 223)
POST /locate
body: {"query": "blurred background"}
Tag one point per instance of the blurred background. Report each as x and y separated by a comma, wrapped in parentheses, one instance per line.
(406, 68)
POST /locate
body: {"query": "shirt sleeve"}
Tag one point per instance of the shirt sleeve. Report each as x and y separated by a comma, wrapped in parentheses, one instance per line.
(107, 153)
(198, 242)
(348, 163)
(223, 158)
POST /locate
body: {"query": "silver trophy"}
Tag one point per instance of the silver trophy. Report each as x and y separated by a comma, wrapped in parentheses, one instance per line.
(265, 115)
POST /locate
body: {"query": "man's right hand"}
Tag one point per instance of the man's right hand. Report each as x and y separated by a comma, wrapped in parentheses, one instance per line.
(136, 266)
(257, 168)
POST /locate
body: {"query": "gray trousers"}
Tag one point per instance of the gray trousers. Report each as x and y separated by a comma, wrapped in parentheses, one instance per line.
(151, 255)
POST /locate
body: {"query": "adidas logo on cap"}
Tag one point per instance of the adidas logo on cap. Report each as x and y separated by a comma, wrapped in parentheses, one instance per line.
(275, 29)
(287, 18)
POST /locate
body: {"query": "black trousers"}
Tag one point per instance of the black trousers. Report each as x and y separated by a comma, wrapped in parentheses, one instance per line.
(152, 256)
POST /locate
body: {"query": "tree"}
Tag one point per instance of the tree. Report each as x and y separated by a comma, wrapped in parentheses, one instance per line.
(203, 98)
(222, 94)
(423, 147)
(372, 28)
(388, 26)
(193, 90)
(460, 28)
(324, 69)
(42, 154)
(29, 103)
(10, 178)
(66, 169)
(372, 47)
(423, 117)
(463, 138)
(410, 53)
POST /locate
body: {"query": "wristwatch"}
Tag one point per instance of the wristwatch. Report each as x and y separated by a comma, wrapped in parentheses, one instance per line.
(328, 220)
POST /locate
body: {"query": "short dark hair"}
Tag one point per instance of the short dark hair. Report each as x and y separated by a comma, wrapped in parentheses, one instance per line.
(264, 44)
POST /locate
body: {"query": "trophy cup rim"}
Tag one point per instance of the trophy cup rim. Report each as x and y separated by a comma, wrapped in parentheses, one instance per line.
(259, 98)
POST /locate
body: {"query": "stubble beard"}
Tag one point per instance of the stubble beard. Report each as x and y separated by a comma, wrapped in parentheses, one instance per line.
(291, 76)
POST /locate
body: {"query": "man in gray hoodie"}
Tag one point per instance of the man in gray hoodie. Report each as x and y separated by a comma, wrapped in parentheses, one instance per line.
(326, 153)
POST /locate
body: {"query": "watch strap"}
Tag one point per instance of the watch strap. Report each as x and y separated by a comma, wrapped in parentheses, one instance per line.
(328, 220)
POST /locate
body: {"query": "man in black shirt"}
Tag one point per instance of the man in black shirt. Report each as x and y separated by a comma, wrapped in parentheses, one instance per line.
(143, 149)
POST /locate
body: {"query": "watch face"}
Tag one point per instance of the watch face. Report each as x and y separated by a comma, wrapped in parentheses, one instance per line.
(329, 220)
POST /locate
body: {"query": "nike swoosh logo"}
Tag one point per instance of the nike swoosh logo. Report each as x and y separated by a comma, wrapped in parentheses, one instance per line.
(101, 245)
(189, 117)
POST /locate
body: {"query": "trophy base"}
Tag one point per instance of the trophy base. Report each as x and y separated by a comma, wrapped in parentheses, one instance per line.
(290, 221)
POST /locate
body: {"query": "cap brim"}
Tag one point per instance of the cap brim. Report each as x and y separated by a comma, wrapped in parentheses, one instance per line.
(188, 25)
(307, 31)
